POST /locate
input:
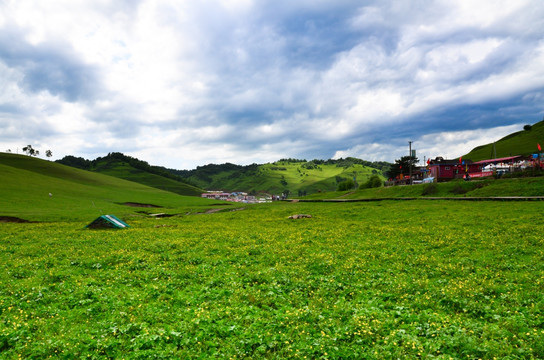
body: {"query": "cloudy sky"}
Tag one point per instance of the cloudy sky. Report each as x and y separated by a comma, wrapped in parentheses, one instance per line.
(182, 83)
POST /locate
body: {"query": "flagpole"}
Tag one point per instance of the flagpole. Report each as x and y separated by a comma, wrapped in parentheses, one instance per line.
(539, 150)
(410, 153)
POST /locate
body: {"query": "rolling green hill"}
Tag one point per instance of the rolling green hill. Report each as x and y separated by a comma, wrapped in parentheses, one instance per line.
(297, 176)
(132, 169)
(523, 142)
(78, 194)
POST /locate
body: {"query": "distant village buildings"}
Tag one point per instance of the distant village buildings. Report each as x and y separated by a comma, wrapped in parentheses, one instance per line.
(237, 197)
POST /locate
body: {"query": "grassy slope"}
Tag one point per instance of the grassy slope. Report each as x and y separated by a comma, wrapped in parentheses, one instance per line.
(77, 194)
(519, 143)
(123, 170)
(269, 178)
(460, 188)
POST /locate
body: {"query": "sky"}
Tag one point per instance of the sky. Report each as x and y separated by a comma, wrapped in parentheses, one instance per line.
(185, 83)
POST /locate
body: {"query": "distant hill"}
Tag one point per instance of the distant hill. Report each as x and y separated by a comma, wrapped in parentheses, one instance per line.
(522, 142)
(39, 190)
(296, 176)
(129, 168)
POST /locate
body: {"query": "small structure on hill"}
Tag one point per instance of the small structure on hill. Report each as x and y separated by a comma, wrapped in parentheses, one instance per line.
(107, 222)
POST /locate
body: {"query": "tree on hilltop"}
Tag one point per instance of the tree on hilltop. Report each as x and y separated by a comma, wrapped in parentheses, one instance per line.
(29, 150)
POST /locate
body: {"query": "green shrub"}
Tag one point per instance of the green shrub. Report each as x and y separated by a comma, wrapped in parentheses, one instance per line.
(346, 185)
(373, 182)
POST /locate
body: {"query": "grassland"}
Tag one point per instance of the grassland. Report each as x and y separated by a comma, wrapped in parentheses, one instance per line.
(127, 172)
(381, 280)
(78, 194)
(132, 169)
(506, 187)
(418, 279)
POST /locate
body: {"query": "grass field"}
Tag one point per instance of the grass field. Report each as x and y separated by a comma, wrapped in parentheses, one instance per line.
(356, 281)
(78, 194)
(458, 188)
(417, 279)
(124, 171)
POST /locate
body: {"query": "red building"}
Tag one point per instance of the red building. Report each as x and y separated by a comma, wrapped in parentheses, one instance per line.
(443, 170)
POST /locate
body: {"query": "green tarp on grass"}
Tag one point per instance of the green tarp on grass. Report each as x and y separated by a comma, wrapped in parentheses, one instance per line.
(107, 222)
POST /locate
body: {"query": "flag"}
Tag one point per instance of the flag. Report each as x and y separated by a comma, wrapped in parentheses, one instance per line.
(428, 161)
(538, 146)
(460, 159)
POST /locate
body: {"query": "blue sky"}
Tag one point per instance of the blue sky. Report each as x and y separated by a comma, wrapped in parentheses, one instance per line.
(187, 83)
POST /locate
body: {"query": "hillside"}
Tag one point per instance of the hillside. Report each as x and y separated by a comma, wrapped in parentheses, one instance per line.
(523, 142)
(78, 194)
(131, 169)
(296, 176)
(503, 187)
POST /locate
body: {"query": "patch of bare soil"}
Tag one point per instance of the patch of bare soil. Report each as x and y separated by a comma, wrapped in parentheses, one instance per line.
(300, 216)
(211, 211)
(134, 204)
(161, 215)
(13, 219)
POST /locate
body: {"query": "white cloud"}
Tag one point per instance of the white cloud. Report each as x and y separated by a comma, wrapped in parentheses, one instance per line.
(456, 143)
(449, 145)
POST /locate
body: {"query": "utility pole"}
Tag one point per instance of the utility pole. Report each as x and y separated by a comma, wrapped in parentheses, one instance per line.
(410, 159)
(425, 166)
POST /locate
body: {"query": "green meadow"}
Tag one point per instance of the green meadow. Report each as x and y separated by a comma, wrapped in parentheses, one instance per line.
(27, 183)
(125, 171)
(504, 187)
(367, 280)
(380, 280)
(132, 169)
